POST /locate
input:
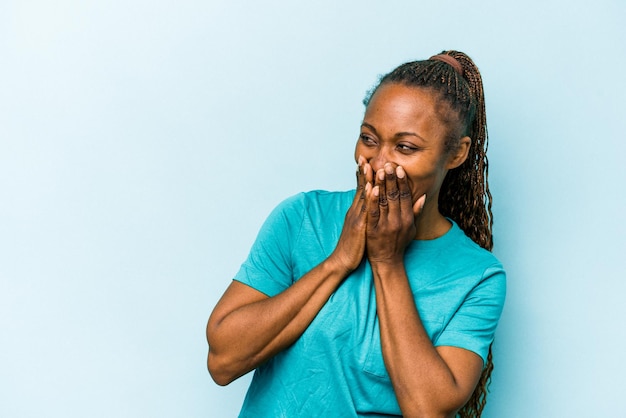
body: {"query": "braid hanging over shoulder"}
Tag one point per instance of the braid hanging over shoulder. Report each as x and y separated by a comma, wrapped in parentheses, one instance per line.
(465, 195)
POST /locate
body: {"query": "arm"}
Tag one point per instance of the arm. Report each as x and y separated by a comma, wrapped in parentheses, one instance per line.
(428, 381)
(247, 328)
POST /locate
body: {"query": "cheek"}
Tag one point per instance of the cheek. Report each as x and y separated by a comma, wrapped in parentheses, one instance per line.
(356, 152)
(424, 181)
(363, 150)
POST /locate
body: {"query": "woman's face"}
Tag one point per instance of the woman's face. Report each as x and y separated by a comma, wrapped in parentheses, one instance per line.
(402, 126)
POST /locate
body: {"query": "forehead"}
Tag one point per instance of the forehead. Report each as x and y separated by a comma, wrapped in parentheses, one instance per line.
(400, 108)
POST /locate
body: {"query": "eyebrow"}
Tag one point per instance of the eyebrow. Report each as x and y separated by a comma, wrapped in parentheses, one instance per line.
(397, 134)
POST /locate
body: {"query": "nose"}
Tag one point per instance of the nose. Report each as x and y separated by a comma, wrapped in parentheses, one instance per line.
(378, 160)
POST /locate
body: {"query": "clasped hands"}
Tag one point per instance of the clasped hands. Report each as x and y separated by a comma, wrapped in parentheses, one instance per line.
(380, 223)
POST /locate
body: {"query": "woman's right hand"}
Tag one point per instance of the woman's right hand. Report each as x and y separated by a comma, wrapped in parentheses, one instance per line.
(351, 246)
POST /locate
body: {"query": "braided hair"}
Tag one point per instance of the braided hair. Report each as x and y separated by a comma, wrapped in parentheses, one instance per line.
(464, 195)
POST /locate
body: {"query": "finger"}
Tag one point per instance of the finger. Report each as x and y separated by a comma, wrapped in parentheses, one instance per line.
(391, 188)
(358, 203)
(405, 195)
(369, 172)
(382, 194)
(366, 173)
(373, 208)
(364, 202)
(418, 206)
(360, 177)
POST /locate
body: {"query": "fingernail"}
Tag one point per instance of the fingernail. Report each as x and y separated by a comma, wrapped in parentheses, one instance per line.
(360, 160)
(380, 174)
(376, 191)
(388, 168)
(400, 172)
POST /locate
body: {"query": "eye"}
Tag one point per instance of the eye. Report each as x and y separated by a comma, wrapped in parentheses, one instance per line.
(406, 148)
(367, 140)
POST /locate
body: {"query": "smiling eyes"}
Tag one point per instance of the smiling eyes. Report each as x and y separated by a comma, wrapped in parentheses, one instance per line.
(402, 147)
(367, 140)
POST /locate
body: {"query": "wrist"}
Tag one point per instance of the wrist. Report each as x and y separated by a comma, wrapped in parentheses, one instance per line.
(387, 265)
(335, 264)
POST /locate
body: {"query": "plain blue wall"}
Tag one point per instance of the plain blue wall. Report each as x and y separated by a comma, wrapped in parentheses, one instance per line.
(142, 143)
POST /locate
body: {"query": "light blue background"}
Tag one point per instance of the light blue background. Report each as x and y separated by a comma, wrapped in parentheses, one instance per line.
(142, 143)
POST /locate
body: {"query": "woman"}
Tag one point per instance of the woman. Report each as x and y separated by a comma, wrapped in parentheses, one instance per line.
(381, 301)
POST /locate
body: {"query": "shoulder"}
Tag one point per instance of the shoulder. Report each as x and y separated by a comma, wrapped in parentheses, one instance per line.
(457, 249)
(466, 247)
(481, 265)
(489, 273)
(325, 197)
(317, 202)
(309, 208)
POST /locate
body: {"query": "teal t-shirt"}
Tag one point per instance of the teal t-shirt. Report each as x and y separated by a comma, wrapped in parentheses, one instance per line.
(336, 368)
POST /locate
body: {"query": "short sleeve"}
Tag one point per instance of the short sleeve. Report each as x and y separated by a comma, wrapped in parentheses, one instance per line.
(268, 267)
(473, 325)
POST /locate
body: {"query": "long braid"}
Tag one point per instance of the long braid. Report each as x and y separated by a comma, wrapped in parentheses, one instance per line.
(464, 195)
(471, 209)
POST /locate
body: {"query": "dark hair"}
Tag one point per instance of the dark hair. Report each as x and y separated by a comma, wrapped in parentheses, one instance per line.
(464, 195)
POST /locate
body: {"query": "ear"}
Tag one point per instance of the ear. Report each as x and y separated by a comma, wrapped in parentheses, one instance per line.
(459, 155)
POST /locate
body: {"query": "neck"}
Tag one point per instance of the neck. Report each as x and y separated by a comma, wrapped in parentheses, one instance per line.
(430, 223)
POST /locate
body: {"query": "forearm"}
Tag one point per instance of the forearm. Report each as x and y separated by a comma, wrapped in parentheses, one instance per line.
(423, 382)
(250, 335)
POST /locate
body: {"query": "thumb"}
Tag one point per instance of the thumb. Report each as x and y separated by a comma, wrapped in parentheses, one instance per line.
(419, 205)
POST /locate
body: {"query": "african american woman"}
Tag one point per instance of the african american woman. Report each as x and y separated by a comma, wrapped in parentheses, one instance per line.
(384, 300)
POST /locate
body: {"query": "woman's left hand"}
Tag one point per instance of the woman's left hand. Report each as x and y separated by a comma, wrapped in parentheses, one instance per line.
(391, 216)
